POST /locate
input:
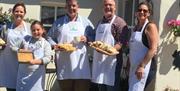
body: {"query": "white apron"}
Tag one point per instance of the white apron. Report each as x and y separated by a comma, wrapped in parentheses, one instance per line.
(137, 53)
(32, 77)
(8, 58)
(73, 65)
(103, 71)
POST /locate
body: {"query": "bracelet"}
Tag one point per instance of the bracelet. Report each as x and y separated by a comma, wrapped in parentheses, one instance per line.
(142, 65)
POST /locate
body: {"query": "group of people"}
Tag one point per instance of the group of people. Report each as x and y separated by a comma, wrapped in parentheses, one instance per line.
(74, 70)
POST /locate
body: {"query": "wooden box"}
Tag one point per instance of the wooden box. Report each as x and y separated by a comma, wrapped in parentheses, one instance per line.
(25, 56)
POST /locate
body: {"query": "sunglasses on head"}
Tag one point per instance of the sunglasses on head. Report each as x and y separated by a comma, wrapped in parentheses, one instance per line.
(144, 10)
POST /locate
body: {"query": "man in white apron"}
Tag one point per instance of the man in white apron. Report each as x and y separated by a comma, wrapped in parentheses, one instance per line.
(73, 71)
(113, 31)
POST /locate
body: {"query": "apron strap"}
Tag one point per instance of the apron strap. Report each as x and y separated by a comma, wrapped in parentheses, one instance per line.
(109, 27)
(144, 26)
(43, 41)
(25, 27)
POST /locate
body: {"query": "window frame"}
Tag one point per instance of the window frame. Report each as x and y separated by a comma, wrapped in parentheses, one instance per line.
(55, 5)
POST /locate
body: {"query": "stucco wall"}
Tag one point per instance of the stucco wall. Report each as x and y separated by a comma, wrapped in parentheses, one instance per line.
(168, 72)
(33, 11)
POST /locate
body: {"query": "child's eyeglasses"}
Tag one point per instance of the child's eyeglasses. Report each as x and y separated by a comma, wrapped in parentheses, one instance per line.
(144, 10)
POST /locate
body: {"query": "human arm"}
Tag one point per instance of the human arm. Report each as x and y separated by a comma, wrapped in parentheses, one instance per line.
(47, 55)
(89, 30)
(152, 36)
(121, 33)
(53, 33)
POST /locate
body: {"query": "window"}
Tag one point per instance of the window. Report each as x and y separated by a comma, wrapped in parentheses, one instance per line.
(49, 14)
(127, 9)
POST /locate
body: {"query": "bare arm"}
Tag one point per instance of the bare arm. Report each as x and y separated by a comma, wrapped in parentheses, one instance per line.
(152, 35)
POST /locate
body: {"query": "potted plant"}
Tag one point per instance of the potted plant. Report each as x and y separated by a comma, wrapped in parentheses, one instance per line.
(175, 26)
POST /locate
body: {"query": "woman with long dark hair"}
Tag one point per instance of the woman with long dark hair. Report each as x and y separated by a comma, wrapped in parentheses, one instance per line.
(142, 53)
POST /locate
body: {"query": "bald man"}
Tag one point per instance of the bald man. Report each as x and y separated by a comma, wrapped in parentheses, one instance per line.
(112, 30)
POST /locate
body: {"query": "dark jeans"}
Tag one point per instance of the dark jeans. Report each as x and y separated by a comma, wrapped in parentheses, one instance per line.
(152, 71)
(10, 89)
(100, 87)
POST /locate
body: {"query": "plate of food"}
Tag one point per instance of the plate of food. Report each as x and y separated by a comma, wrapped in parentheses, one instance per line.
(67, 47)
(103, 48)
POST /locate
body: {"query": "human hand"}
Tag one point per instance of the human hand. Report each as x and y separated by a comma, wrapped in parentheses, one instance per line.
(117, 46)
(35, 61)
(57, 48)
(83, 38)
(139, 72)
(24, 50)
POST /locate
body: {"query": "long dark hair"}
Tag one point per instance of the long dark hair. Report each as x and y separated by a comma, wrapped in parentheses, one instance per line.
(148, 5)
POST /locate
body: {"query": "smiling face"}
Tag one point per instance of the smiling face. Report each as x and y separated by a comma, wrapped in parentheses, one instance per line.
(19, 13)
(143, 12)
(72, 8)
(37, 31)
(109, 8)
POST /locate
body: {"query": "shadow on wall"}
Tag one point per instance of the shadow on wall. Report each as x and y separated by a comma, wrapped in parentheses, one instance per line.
(168, 45)
(97, 9)
(176, 62)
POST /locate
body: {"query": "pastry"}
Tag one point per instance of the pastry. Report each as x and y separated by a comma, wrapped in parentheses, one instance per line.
(67, 47)
(103, 46)
(2, 42)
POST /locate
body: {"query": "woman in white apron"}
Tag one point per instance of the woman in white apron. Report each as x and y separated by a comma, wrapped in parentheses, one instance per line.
(8, 57)
(140, 55)
(31, 76)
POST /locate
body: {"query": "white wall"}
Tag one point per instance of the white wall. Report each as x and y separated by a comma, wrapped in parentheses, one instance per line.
(33, 11)
(166, 74)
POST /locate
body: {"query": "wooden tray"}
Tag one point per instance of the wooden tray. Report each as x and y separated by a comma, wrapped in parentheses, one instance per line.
(105, 52)
(25, 56)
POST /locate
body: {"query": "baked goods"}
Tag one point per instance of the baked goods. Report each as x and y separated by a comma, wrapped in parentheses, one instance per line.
(67, 47)
(2, 42)
(103, 47)
(24, 56)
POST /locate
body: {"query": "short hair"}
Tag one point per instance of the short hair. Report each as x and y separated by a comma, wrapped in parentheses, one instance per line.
(19, 4)
(70, 0)
(37, 22)
(112, 0)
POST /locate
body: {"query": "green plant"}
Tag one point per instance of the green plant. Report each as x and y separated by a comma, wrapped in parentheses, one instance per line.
(175, 26)
(5, 17)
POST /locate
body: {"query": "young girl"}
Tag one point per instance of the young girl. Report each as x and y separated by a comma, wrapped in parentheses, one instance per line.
(31, 76)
